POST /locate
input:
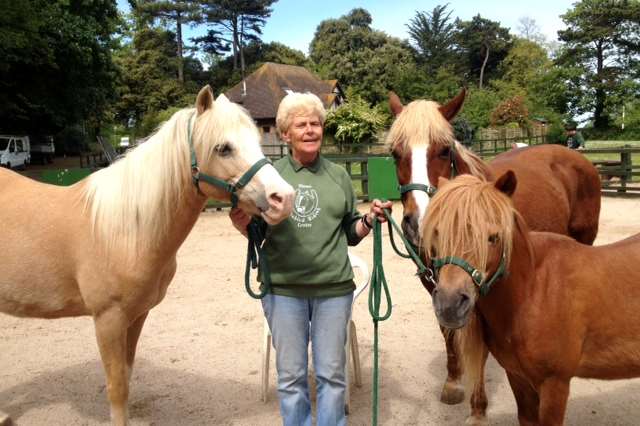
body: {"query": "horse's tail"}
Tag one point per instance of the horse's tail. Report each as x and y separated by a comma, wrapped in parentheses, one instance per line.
(472, 351)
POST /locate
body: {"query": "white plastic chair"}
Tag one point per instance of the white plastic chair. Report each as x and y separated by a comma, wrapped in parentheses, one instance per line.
(351, 347)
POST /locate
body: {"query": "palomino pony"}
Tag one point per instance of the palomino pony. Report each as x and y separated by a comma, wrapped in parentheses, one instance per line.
(109, 243)
(559, 192)
(513, 289)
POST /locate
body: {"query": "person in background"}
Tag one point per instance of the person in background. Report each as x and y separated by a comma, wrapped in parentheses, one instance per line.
(574, 137)
(312, 280)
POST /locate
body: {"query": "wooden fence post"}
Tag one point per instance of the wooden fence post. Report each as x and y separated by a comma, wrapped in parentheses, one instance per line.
(625, 159)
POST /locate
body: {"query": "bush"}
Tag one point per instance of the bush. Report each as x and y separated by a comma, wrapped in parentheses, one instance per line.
(611, 134)
(512, 110)
(355, 122)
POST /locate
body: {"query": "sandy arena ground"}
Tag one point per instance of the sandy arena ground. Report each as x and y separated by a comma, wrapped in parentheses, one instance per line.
(198, 358)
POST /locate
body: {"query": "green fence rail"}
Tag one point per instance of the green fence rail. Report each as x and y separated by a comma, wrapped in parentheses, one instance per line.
(373, 172)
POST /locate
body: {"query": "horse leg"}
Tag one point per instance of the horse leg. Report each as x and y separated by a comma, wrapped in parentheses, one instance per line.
(111, 332)
(526, 400)
(478, 400)
(133, 333)
(554, 392)
(453, 390)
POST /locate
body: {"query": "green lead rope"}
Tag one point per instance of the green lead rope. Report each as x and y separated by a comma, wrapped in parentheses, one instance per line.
(379, 288)
(255, 257)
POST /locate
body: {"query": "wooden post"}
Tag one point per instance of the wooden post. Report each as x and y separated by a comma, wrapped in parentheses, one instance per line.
(364, 180)
(625, 159)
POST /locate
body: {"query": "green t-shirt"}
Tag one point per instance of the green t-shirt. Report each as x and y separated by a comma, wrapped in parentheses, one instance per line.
(307, 252)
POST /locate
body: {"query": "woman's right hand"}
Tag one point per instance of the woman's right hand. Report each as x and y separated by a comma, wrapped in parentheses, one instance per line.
(240, 220)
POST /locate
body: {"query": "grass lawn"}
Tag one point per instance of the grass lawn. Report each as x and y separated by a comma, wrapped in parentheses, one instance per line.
(635, 158)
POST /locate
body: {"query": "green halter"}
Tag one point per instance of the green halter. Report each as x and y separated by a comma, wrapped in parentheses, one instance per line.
(477, 276)
(226, 186)
(428, 188)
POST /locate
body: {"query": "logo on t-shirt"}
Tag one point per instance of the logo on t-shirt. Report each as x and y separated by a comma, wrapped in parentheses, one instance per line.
(305, 206)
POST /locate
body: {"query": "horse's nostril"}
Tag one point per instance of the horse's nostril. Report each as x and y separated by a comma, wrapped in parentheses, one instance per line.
(275, 197)
(464, 300)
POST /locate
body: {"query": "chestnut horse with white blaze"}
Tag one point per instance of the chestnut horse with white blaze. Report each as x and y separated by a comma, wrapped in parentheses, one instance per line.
(510, 288)
(106, 246)
(559, 191)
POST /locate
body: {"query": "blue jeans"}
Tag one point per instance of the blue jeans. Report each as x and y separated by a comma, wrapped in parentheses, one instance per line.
(294, 322)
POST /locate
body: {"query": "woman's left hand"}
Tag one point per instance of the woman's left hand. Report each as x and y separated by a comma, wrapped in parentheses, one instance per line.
(377, 211)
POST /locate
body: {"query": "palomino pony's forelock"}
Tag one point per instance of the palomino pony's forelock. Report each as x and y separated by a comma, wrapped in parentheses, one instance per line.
(457, 223)
(419, 124)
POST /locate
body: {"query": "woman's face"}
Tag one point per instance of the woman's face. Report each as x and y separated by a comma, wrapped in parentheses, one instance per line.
(304, 135)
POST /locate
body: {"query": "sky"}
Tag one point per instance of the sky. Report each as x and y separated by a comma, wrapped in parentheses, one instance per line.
(294, 22)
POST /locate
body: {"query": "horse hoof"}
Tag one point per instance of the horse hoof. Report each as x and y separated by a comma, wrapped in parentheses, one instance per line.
(5, 420)
(477, 421)
(452, 394)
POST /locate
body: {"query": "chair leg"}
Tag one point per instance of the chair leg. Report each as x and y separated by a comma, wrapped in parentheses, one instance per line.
(266, 350)
(347, 393)
(355, 353)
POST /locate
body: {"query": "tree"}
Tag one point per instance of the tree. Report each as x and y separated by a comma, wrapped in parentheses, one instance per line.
(602, 37)
(483, 44)
(236, 23)
(529, 29)
(178, 11)
(432, 34)
(148, 84)
(512, 110)
(48, 47)
(364, 59)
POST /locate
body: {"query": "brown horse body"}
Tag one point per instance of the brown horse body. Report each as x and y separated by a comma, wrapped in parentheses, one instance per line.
(106, 246)
(558, 191)
(563, 310)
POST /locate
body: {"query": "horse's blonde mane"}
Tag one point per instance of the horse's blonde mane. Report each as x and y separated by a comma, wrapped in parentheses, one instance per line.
(462, 216)
(477, 167)
(419, 124)
(132, 202)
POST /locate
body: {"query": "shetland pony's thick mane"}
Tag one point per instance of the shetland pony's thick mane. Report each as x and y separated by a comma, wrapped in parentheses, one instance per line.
(131, 201)
(463, 215)
(419, 124)
(460, 219)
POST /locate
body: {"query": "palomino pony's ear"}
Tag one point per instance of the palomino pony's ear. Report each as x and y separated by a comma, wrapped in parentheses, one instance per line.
(453, 106)
(507, 183)
(222, 99)
(204, 101)
(395, 104)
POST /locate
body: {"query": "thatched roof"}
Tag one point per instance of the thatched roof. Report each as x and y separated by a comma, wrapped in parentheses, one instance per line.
(266, 87)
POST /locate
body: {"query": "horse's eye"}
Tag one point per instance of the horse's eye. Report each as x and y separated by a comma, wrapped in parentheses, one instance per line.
(223, 149)
(494, 238)
(445, 153)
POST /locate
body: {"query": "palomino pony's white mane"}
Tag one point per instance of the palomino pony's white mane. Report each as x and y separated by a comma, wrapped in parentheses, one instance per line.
(419, 124)
(131, 203)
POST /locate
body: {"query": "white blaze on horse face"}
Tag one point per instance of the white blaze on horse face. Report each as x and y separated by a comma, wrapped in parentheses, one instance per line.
(419, 175)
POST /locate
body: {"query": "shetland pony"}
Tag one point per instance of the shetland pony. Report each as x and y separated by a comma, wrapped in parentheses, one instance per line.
(541, 282)
(559, 191)
(106, 246)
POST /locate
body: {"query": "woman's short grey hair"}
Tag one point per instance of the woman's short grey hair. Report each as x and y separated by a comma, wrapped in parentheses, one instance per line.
(297, 104)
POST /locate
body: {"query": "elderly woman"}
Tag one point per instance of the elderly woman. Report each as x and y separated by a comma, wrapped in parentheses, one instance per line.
(312, 280)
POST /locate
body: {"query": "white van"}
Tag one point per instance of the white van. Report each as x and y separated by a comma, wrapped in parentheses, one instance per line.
(14, 151)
